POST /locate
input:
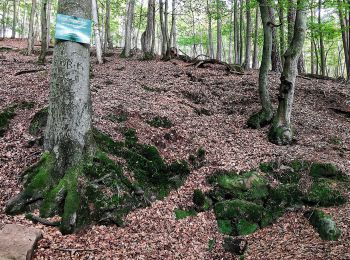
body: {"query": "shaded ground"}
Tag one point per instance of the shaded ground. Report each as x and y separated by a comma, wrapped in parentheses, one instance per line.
(147, 89)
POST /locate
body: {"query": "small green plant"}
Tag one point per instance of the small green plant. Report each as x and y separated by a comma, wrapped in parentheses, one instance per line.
(181, 214)
(211, 244)
(160, 121)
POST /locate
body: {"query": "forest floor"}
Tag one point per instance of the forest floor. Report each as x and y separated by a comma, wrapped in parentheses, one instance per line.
(145, 89)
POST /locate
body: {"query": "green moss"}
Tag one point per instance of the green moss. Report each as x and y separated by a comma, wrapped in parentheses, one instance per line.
(298, 165)
(324, 224)
(181, 214)
(238, 209)
(106, 143)
(323, 195)
(260, 119)
(270, 215)
(121, 116)
(50, 205)
(211, 244)
(198, 198)
(285, 195)
(5, 119)
(159, 121)
(225, 226)
(267, 167)
(245, 227)
(326, 170)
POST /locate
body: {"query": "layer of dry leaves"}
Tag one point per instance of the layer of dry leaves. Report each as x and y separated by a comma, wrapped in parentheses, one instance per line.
(153, 233)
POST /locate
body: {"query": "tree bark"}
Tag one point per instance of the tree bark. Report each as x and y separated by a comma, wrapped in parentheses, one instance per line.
(68, 135)
(14, 19)
(345, 36)
(128, 28)
(210, 33)
(173, 40)
(31, 29)
(322, 48)
(97, 32)
(281, 131)
(108, 43)
(219, 32)
(247, 63)
(275, 55)
(265, 115)
(147, 38)
(43, 16)
(256, 35)
(236, 31)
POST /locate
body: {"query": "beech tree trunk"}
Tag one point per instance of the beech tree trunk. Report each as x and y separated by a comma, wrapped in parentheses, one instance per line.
(322, 48)
(256, 35)
(173, 40)
(275, 55)
(210, 33)
(43, 16)
(219, 33)
(97, 32)
(147, 38)
(128, 28)
(68, 141)
(345, 36)
(31, 29)
(281, 131)
(247, 62)
(236, 31)
(265, 115)
(14, 19)
(108, 44)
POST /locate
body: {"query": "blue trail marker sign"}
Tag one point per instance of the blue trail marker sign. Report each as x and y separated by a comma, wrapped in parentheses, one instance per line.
(71, 28)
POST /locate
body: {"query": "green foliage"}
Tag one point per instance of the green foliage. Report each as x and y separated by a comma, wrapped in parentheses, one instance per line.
(181, 214)
(211, 244)
(225, 226)
(326, 170)
(159, 121)
(198, 198)
(245, 228)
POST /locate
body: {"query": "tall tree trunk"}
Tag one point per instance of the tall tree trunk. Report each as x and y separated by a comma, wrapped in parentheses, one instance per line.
(282, 29)
(256, 35)
(210, 32)
(43, 16)
(275, 55)
(108, 43)
(138, 25)
(48, 20)
(219, 31)
(236, 31)
(231, 37)
(313, 51)
(173, 40)
(241, 29)
(281, 131)
(247, 62)
(128, 29)
(14, 19)
(147, 38)
(97, 32)
(4, 19)
(345, 36)
(322, 48)
(265, 115)
(31, 29)
(58, 178)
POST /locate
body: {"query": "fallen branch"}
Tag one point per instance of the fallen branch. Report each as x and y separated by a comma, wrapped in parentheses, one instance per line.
(73, 250)
(28, 71)
(231, 68)
(43, 221)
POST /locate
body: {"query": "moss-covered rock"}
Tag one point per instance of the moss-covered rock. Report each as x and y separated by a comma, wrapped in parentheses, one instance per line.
(239, 209)
(225, 226)
(322, 194)
(285, 195)
(326, 170)
(324, 224)
(245, 227)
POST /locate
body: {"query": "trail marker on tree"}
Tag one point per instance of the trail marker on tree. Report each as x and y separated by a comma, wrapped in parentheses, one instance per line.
(73, 28)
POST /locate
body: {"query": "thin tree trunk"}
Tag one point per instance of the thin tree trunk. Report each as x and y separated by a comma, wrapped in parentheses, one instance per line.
(247, 63)
(97, 32)
(128, 29)
(147, 38)
(281, 131)
(322, 49)
(14, 19)
(48, 20)
(219, 33)
(231, 37)
(275, 56)
(345, 37)
(138, 25)
(256, 35)
(210, 32)
(265, 115)
(43, 16)
(236, 31)
(173, 40)
(31, 29)
(108, 44)
(241, 28)
(282, 29)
